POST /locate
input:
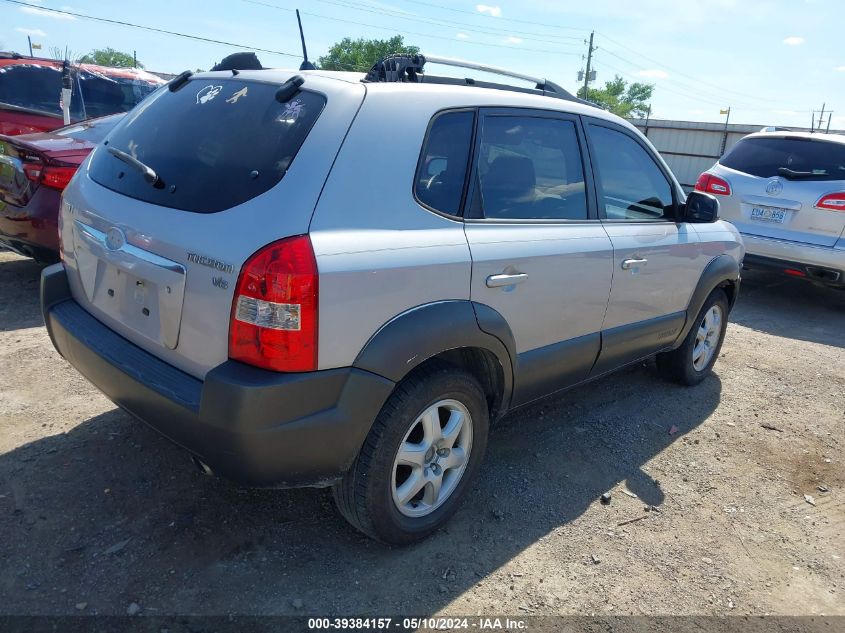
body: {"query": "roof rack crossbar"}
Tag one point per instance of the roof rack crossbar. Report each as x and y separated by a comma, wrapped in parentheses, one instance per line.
(410, 68)
(459, 63)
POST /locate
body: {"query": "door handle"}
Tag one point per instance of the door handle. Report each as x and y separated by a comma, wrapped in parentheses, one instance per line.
(628, 264)
(497, 281)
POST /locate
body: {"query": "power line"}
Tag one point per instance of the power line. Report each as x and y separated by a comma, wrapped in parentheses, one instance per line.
(681, 84)
(697, 88)
(485, 15)
(692, 97)
(416, 17)
(151, 28)
(680, 72)
(415, 33)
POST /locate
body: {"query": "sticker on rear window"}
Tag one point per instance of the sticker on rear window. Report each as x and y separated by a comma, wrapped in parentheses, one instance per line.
(240, 93)
(292, 111)
(208, 93)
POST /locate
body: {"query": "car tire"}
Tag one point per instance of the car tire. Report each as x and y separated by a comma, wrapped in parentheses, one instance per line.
(690, 363)
(375, 494)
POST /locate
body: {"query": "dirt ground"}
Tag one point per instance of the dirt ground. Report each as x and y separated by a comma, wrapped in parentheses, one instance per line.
(98, 512)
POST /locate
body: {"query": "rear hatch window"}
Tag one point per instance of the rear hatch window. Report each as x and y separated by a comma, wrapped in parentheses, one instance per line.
(214, 144)
(813, 159)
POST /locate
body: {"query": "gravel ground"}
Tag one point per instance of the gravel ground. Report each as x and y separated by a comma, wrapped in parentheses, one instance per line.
(98, 512)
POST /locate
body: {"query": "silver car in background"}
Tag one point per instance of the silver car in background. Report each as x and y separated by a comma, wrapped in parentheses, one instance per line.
(271, 272)
(785, 192)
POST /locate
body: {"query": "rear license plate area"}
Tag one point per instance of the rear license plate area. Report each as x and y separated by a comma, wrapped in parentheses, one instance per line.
(771, 215)
(137, 288)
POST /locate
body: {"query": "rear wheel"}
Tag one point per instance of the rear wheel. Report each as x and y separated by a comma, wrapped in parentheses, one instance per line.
(694, 359)
(423, 452)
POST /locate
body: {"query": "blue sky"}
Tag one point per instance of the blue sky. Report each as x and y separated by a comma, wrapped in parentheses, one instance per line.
(771, 61)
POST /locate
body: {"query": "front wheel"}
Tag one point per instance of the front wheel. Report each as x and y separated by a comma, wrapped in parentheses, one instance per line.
(694, 359)
(420, 457)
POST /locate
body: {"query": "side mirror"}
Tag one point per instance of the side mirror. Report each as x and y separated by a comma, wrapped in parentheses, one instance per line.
(700, 208)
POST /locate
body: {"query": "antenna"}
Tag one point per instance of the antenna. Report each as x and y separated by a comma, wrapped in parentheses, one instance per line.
(305, 65)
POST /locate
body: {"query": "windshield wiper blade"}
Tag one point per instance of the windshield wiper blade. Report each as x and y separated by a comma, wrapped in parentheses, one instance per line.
(148, 172)
(786, 172)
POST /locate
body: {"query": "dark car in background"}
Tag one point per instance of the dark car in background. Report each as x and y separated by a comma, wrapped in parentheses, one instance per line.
(30, 92)
(34, 170)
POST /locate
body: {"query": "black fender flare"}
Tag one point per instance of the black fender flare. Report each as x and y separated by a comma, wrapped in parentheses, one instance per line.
(719, 270)
(414, 336)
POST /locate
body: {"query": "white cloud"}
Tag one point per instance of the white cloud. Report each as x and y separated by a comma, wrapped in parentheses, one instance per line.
(510, 39)
(793, 40)
(841, 69)
(462, 36)
(496, 12)
(46, 14)
(653, 73)
(36, 32)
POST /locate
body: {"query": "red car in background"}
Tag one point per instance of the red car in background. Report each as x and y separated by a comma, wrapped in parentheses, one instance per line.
(34, 170)
(30, 92)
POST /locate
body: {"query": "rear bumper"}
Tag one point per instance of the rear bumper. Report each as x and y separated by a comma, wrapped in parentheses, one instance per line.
(818, 263)
(252, 426)
(33, 230)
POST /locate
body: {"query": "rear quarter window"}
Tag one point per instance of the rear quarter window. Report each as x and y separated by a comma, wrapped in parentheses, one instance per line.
(214, 143)
(762, 157)
(441, 173)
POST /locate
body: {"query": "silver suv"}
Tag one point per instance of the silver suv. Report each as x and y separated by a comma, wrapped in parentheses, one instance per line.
(785, 192)
(331, 279)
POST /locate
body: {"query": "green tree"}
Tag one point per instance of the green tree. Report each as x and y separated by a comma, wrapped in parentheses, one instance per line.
(360, 55)
(621, 98)
(110, 57)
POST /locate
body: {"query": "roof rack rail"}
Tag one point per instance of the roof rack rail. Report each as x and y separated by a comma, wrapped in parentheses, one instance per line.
(411, 68)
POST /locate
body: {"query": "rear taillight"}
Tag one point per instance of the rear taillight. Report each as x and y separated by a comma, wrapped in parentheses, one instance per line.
(708, 183)
(55, 176)
(33, 171)
(274, 311)
(832, 201)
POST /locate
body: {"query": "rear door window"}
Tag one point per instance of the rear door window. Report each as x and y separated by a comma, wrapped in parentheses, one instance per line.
(810, 158)
(530, 168)
(214, 144)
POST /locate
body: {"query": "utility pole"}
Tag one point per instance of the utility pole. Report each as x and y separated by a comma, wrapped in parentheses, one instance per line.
(725, 135)
(29, 39)
(821, 116)
(135, 59)
(829, 117)
(589, 62)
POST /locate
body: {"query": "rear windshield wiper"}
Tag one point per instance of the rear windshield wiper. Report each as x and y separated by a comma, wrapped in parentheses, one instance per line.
(786, 172)
(148, 172)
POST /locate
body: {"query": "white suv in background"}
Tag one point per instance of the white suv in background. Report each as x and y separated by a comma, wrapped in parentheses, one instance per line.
(785, 192)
